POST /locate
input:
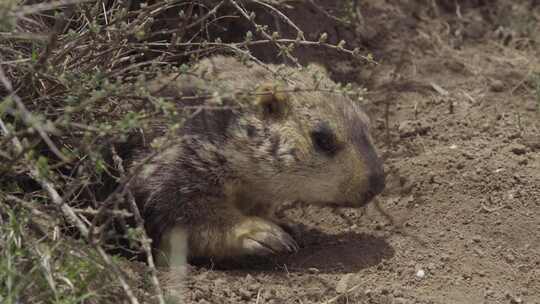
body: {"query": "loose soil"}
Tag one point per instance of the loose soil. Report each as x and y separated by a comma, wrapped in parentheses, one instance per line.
(462, 154)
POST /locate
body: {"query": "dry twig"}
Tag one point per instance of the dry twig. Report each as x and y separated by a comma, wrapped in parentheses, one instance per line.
(145, 240)
(55, 197)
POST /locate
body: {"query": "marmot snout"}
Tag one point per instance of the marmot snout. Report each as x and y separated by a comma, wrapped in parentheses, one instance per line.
(256, 143)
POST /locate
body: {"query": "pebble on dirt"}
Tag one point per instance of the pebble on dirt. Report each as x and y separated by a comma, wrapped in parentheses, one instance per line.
(408, 128)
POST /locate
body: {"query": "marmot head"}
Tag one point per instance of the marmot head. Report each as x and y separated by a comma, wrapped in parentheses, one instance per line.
(305, 144)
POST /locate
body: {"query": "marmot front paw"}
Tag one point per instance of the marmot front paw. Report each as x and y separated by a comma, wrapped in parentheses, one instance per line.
(256, 236)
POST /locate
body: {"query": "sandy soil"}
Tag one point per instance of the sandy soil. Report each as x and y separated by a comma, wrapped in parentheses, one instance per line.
(462, 153)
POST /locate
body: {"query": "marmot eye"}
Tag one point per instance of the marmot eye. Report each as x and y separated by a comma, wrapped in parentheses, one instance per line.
(324, 139)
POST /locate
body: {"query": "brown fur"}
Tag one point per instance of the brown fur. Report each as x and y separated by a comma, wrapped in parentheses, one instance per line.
(270, 141)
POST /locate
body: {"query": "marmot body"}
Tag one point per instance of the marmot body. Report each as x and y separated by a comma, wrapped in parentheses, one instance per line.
(253, 144)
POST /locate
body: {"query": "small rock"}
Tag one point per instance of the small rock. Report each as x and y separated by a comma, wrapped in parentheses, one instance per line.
(523, 161)
(468, 155)
(410, 128)
(532, 106)
(245, 294)
(343, 284)
(497, 86)
(509, 258)
(477, 239)
(518, 149)
(420, 274)
(254, 286)
(313, 270)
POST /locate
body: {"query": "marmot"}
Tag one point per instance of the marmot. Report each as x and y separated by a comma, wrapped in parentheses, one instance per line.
(253, 142)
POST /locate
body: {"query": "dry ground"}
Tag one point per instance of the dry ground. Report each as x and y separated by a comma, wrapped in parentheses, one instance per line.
(463, 161)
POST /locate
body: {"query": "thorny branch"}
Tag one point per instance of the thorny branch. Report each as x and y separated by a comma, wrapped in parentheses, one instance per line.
(55, 197)
(28, 118)
(250, 18)
(145, 240)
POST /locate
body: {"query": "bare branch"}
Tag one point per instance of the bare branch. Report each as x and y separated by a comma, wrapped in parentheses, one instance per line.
(55, 197)
(145, 240)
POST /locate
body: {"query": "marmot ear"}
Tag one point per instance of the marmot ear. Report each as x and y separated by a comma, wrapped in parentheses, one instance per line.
(273, 100)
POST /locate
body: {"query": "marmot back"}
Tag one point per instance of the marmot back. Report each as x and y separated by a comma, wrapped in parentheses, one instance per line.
(252, 142)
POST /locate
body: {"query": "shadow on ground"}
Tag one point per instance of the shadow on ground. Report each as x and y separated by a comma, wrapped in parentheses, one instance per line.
(319, 252)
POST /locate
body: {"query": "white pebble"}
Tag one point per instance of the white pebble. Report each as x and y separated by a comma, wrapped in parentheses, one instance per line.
(420, 274)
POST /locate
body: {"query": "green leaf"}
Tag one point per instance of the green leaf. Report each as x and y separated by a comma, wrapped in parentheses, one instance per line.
(42, 165)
